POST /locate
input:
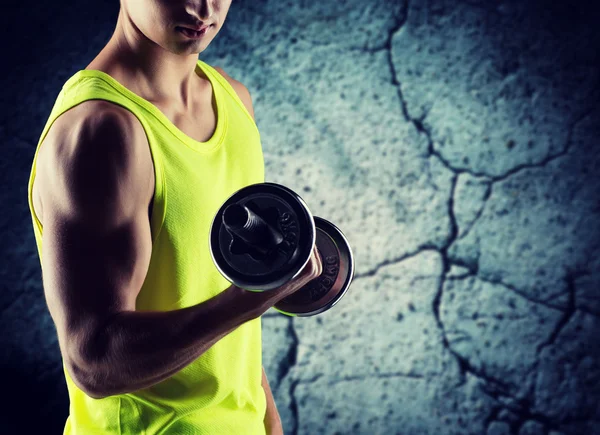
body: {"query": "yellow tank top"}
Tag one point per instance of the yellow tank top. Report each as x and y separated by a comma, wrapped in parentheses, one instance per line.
(221, 391)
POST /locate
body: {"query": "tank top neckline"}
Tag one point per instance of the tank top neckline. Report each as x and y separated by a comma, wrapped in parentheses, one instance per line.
(204, 147)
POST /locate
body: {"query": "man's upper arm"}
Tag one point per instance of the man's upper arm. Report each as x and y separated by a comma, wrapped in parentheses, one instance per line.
(240, 89)
(96, 235)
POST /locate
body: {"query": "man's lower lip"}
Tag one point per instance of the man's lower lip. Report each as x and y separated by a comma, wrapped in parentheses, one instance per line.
(192, 33)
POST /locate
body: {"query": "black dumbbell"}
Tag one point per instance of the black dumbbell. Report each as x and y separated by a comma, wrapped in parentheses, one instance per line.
(263, 236)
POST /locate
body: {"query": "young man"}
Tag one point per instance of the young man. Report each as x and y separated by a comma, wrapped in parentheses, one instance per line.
(140, 150)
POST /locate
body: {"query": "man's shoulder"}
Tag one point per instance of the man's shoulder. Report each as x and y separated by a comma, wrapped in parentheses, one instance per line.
(231, 80)
(237, 85)
(93, 126)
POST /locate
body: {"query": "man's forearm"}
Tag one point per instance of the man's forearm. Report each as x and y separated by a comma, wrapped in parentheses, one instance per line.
(272, 420)
(138, 349)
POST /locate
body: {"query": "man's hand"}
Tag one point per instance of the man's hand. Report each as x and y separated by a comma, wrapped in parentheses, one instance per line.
(272, 420)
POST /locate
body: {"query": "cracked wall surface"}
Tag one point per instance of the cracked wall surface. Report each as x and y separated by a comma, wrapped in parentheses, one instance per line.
(457, 146)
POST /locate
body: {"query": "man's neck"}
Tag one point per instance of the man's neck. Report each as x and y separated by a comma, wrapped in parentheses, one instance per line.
(156, 72)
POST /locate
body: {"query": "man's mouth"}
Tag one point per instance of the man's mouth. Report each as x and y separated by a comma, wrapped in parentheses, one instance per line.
(190, 33)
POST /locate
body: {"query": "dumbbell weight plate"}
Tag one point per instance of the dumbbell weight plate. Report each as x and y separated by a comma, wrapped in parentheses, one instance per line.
(323, 292)
(269, 200)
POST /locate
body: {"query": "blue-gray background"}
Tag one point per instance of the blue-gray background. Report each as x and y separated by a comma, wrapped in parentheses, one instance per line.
(457, 146)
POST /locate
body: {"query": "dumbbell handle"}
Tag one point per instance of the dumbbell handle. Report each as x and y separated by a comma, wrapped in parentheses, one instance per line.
(251, 228)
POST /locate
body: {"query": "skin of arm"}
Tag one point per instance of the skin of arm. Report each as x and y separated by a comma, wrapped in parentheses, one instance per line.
(272, 420)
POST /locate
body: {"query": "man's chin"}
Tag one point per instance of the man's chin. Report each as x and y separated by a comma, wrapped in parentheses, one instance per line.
(187, 48)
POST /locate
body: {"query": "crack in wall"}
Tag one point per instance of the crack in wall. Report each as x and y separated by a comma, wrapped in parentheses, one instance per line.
(362, 378)
(375, 270)
(550, 158)
(492, 417)
(570, 310)
(522, 410)
(520, 293)
(486, 196)
(560, 325)
(493, 178)
(522, 407)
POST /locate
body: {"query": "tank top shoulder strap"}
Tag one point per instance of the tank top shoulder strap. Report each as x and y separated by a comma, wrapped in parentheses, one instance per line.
(225, 85)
